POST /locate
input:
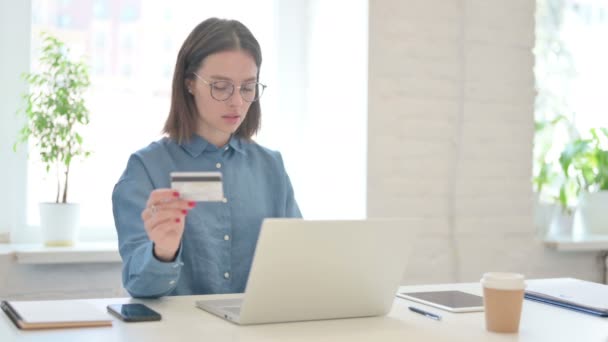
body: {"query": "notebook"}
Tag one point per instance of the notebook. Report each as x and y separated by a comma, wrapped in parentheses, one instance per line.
(570, 293)
(320, 269)
(29, 315)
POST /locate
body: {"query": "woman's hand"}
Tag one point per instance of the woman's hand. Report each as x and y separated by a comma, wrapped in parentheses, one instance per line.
(164, 218)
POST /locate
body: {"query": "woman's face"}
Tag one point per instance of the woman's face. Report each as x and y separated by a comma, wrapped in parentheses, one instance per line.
(219, 119)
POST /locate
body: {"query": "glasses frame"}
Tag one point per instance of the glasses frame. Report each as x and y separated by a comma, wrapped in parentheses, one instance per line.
(234, 87)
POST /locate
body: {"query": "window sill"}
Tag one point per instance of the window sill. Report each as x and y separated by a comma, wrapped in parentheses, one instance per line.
(584, 243)
(81, 252)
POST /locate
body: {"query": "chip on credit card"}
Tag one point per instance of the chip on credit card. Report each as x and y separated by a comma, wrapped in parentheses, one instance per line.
(198, 186)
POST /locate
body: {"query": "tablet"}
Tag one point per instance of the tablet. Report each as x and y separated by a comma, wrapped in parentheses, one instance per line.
(453, 301)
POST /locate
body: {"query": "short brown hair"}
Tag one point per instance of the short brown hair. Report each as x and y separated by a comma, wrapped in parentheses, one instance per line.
(211, 36)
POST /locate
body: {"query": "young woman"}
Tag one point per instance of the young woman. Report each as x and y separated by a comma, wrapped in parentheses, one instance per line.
(170, 246)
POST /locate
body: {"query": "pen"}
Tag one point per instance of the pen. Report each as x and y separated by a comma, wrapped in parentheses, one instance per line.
(425, 313)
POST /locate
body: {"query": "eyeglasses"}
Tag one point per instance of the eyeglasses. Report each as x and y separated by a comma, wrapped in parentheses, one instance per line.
(223, 90)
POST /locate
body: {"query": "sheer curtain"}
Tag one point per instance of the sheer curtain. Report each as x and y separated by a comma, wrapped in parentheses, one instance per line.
(587, 19)
(313, 111)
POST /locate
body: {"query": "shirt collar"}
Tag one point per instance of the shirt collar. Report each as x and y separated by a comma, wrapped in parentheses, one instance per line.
(197, 145)
(236, 143)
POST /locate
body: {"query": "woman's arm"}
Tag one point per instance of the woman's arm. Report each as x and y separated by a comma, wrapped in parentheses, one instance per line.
(291, 205)
(143, 274)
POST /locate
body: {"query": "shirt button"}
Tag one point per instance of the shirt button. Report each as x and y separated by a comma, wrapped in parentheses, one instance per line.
(225, 200)
(175, 265)
(172, 282)
(226, 148)
(226, 275)
(218, 165)
(226, 237)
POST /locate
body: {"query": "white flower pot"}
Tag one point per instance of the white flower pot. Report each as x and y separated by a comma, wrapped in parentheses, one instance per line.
(543, 216)
(561, 223)
(59, 223)
(592, 212)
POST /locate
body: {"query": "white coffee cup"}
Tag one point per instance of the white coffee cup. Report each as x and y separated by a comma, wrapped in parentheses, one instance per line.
(503, 295)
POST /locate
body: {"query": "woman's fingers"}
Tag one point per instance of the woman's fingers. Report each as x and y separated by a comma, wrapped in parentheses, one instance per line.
(181, 205)
(159, 196)
(165, 216)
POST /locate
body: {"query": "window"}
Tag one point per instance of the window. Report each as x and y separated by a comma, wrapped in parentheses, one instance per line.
(316, 72)
(570, 74)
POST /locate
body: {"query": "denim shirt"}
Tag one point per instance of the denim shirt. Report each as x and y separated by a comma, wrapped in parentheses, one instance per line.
(219, 238)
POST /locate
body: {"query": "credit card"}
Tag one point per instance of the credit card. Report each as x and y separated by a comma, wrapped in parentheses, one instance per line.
(198, 186)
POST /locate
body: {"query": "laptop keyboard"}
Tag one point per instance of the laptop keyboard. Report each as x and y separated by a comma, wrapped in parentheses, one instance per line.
(233, 309)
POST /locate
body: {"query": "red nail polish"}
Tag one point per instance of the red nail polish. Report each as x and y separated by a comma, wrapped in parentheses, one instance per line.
(178, 220)
(175, 194)
(192, 204)
(184, 211)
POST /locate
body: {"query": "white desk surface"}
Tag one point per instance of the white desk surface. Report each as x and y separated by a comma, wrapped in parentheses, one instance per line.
(182, 321)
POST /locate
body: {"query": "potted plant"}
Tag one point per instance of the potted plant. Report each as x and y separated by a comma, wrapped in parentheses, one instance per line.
(585, 164)
(55, 110)
(552, 216)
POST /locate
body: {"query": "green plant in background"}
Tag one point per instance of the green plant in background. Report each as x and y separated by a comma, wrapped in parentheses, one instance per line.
(584, 163)
(55, 110)
(545, 173)
(553, 70)
(549, 140)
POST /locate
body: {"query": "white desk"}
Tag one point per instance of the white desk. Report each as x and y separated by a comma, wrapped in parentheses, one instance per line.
(583, 243)
(183, 322)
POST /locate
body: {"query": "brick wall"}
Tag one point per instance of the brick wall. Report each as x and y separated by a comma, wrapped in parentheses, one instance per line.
(450, 130)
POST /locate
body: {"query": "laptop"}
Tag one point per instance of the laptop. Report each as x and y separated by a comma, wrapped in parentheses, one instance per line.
(313, 270)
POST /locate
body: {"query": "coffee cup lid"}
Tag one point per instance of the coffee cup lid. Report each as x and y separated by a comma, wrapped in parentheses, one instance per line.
(503, 281)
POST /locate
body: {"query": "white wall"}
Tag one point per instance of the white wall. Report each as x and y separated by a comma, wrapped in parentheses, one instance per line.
(450, 127)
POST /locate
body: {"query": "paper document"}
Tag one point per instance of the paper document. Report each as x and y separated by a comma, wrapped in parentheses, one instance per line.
(55, 314)
(574, 293)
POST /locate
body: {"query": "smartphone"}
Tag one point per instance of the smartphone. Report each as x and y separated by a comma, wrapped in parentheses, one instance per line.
(134, 312)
